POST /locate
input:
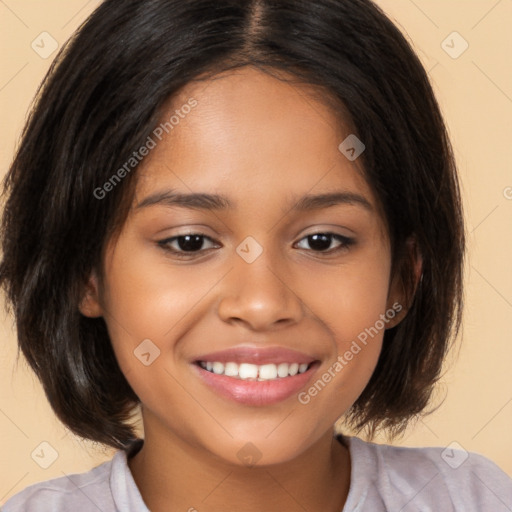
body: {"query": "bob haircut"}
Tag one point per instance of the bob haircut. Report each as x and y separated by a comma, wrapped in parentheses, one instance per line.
(100, 100)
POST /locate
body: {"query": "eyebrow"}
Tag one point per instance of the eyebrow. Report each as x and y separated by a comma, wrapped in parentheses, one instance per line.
(216, 202)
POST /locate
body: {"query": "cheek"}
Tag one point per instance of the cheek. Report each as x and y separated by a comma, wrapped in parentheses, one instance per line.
(145, 300)
(350, 299)
(149, 307)
(352, 309)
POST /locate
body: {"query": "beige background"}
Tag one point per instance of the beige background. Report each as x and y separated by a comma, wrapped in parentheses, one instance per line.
(475, 92)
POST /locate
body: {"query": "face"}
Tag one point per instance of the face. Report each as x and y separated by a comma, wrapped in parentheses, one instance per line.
(202, 298)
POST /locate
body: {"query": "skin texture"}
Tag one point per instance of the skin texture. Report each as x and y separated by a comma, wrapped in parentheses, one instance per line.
(263, 144)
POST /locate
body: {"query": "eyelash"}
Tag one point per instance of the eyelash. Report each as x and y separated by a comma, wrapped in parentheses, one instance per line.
(165, 244)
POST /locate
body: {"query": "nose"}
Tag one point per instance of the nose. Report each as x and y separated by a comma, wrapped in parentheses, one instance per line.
(259, 295)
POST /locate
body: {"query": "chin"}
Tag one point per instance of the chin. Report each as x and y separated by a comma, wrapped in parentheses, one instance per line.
(260, 450)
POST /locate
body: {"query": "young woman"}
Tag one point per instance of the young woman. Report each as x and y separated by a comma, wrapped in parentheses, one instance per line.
(242, 217)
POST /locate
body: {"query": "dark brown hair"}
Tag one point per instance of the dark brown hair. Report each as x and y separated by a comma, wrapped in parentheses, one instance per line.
(101, 99)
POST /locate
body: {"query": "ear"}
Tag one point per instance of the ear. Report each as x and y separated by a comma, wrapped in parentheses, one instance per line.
(90, 304)
(403, 287)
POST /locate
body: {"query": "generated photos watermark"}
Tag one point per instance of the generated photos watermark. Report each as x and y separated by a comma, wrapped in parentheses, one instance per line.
(151, 142)
(342, 361)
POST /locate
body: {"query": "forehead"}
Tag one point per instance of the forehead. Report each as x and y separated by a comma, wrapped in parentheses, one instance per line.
(251, 136)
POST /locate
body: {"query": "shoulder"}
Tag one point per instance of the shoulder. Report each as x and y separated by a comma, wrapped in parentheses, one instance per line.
(78, 492)
(443, 478)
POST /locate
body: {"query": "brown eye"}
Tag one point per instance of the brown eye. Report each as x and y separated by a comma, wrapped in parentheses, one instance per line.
(185, 244)
(321, 242)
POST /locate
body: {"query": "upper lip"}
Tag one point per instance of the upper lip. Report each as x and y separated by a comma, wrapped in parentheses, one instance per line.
(259, 356)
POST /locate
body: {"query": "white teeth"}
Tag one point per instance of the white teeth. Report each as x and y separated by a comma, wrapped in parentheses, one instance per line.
(247, 371)
(231, 370)
(282, 370)
(218, 368)
(268, 371)
(293, 369)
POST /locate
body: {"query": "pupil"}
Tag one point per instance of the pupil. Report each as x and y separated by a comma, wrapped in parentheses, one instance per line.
(320, 241)
(190, 242)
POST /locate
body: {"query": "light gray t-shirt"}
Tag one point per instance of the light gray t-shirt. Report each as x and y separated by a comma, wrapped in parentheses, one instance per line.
(383, 479)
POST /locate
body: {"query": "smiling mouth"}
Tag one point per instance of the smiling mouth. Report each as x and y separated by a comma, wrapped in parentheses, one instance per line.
(254, 372)
(256, 379)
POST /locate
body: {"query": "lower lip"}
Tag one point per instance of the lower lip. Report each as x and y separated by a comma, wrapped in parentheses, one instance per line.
(259, 393)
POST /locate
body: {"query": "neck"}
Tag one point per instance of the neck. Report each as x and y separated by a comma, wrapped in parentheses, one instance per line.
(172, 475)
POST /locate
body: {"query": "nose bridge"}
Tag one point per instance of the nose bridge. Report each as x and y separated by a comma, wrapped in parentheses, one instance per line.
(256, 291)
